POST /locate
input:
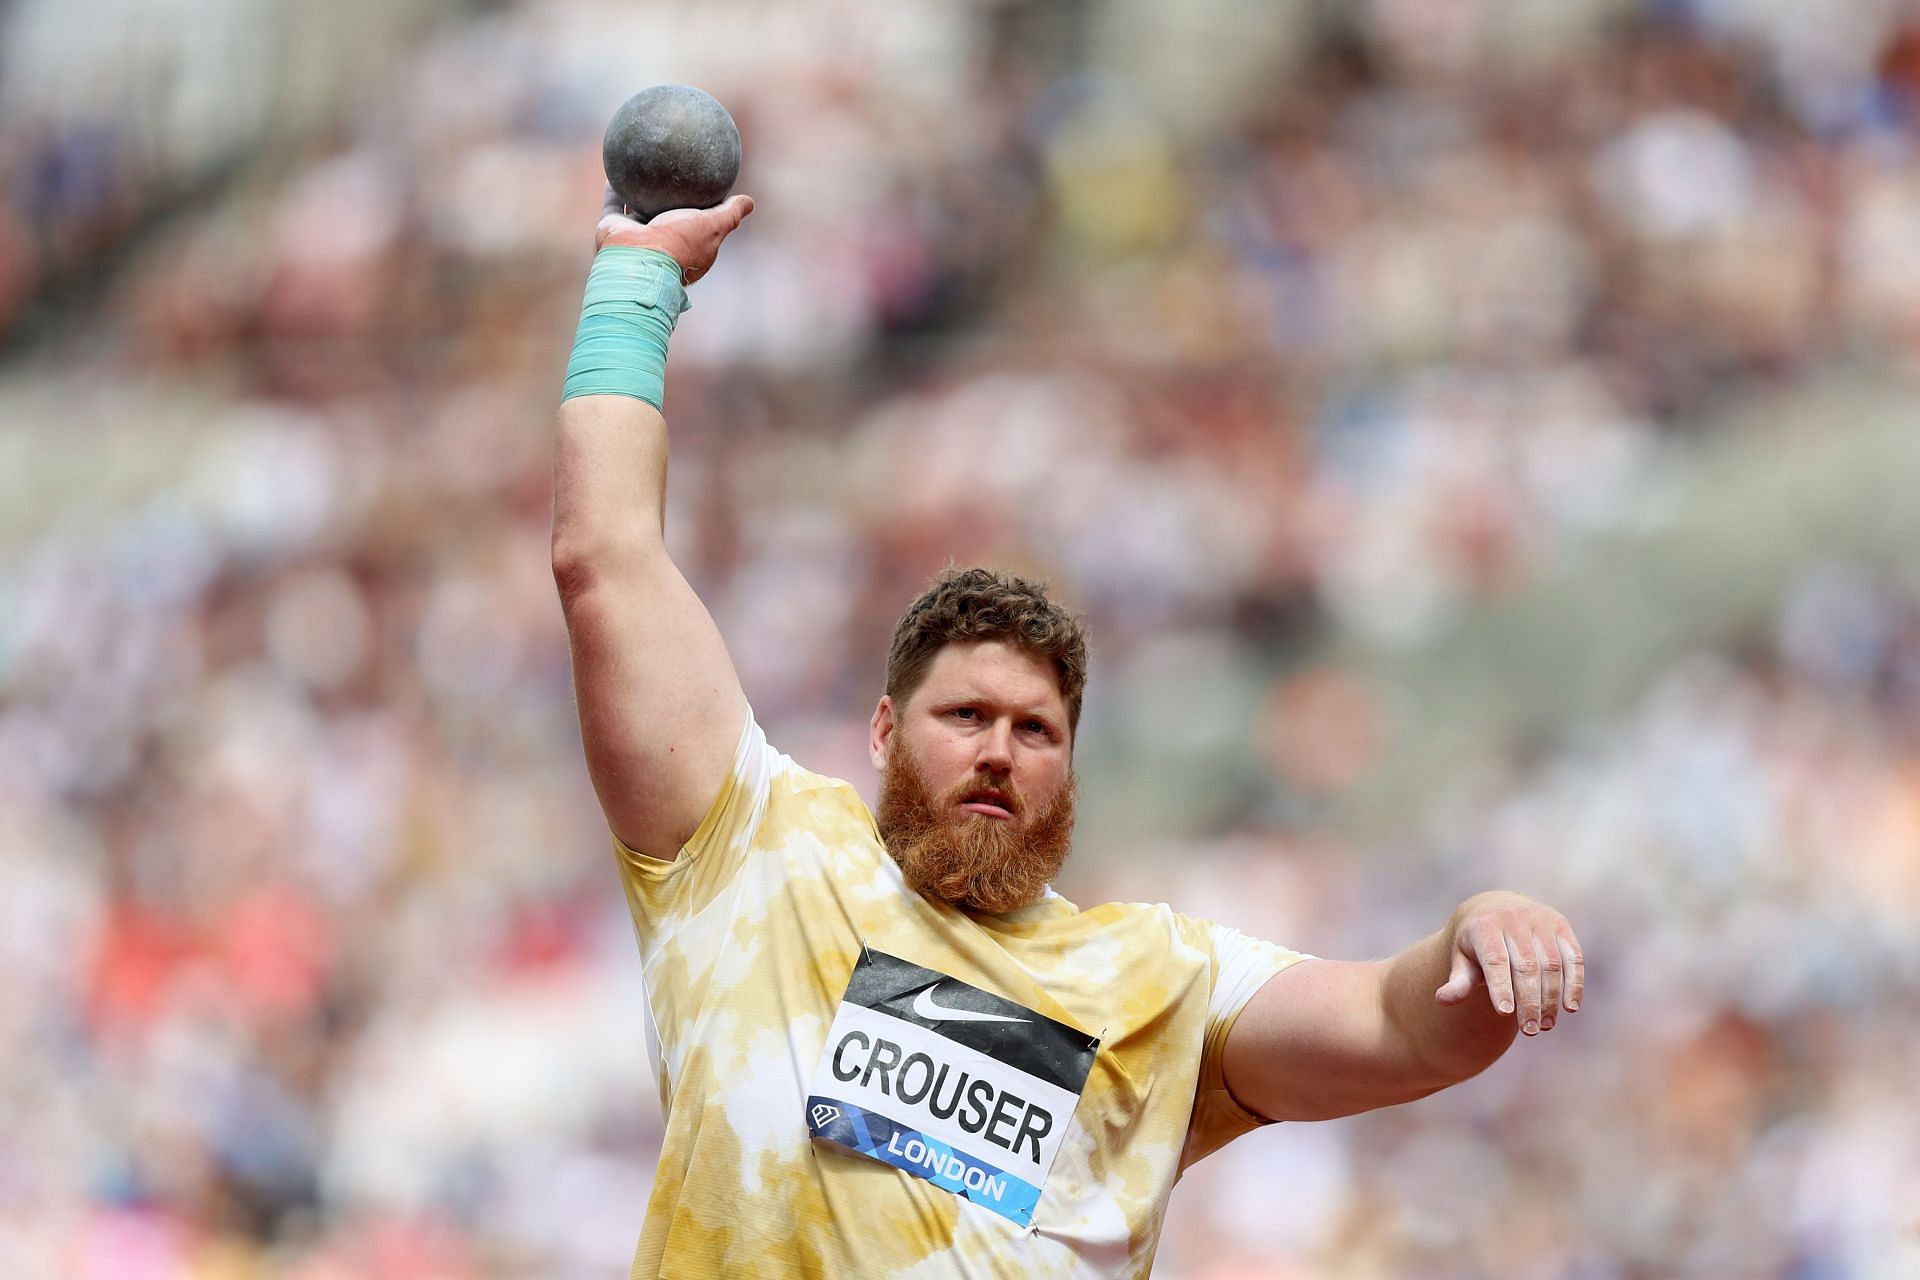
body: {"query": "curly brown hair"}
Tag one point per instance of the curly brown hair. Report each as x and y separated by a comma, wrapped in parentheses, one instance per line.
(972, 605)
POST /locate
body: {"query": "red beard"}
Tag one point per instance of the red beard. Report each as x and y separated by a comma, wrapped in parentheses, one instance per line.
(984, 864)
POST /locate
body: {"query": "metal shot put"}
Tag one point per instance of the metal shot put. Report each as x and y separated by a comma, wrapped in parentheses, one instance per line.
(671, 147)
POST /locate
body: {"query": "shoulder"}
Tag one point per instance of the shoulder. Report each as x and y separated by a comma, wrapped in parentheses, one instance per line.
(1139, 936)
(803, 801)
(1235, 963)
(793, 778)
(1147, 918)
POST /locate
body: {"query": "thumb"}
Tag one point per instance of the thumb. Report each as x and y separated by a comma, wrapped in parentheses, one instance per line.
(1459, 983)
(734, 211)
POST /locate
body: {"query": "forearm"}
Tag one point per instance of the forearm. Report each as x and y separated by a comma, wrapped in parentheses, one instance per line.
(610, 460)
(1332, 1037)
(609, 480)
(1453, 1041)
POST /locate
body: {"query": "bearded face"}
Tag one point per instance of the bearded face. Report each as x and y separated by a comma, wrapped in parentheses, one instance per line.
(950, 851)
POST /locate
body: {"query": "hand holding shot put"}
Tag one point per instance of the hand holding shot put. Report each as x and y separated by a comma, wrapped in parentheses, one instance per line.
(691, 237)
(884, 1043)
(671, 154)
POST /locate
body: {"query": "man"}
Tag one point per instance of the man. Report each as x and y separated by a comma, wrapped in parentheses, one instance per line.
(885, 1047)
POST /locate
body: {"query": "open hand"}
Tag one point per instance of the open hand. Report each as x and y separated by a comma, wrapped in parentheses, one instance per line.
(1523, 951)
(691, 237)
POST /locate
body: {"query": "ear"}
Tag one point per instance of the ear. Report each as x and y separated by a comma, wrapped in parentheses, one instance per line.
(880, 732)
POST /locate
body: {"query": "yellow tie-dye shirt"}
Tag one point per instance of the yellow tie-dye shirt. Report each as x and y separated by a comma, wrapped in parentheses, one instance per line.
(748, 939)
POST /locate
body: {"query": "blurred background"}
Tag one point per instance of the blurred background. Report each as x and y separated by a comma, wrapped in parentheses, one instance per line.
(1479, 432)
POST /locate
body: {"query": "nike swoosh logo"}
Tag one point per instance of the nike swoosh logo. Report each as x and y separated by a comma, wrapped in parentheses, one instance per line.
(924, 1007)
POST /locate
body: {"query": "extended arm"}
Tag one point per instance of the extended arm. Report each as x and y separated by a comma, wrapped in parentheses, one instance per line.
(1330, 1038)
(660, 706)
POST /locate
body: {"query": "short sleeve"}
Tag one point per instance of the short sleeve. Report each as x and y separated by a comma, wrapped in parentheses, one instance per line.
(725, 834)
(1241, 966)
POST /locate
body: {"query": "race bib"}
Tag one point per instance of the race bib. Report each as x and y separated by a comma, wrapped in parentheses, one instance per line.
(948, 1082)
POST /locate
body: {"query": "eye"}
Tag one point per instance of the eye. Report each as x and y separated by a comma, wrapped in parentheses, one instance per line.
(964, 713)
(1040, 727)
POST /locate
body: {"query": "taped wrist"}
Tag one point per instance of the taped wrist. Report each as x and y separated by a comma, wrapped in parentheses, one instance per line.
(634, 298)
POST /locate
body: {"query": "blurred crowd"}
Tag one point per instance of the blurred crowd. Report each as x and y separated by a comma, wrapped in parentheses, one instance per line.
(318, 968)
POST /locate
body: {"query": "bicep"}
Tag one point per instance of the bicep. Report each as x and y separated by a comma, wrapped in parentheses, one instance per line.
(661, 708)
(1315, 1042)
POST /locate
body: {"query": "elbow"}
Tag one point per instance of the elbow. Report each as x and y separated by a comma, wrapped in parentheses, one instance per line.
(1443, 1066)
(576, 566)
(584, 566)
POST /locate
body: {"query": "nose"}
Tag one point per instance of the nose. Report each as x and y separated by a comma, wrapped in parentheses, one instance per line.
(996, 748)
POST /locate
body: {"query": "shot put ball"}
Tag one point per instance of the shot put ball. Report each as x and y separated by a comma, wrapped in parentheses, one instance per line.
(671, 147)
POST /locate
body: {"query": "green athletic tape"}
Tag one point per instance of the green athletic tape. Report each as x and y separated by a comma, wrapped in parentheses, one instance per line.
(634, 297)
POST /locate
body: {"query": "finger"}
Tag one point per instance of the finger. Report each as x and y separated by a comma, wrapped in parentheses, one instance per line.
(1526, 982)
(713, 219)
(1491, 952)
(1576, 964)
(724, 219)
(1459, 983)
(610, 202)
(734, 212)
(1551, 965)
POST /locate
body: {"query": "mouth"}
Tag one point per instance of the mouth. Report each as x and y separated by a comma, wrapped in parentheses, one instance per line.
(988, 803)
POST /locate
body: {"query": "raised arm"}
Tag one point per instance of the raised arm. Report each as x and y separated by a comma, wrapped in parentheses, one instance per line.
(1330, 1037)
(660, 706)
